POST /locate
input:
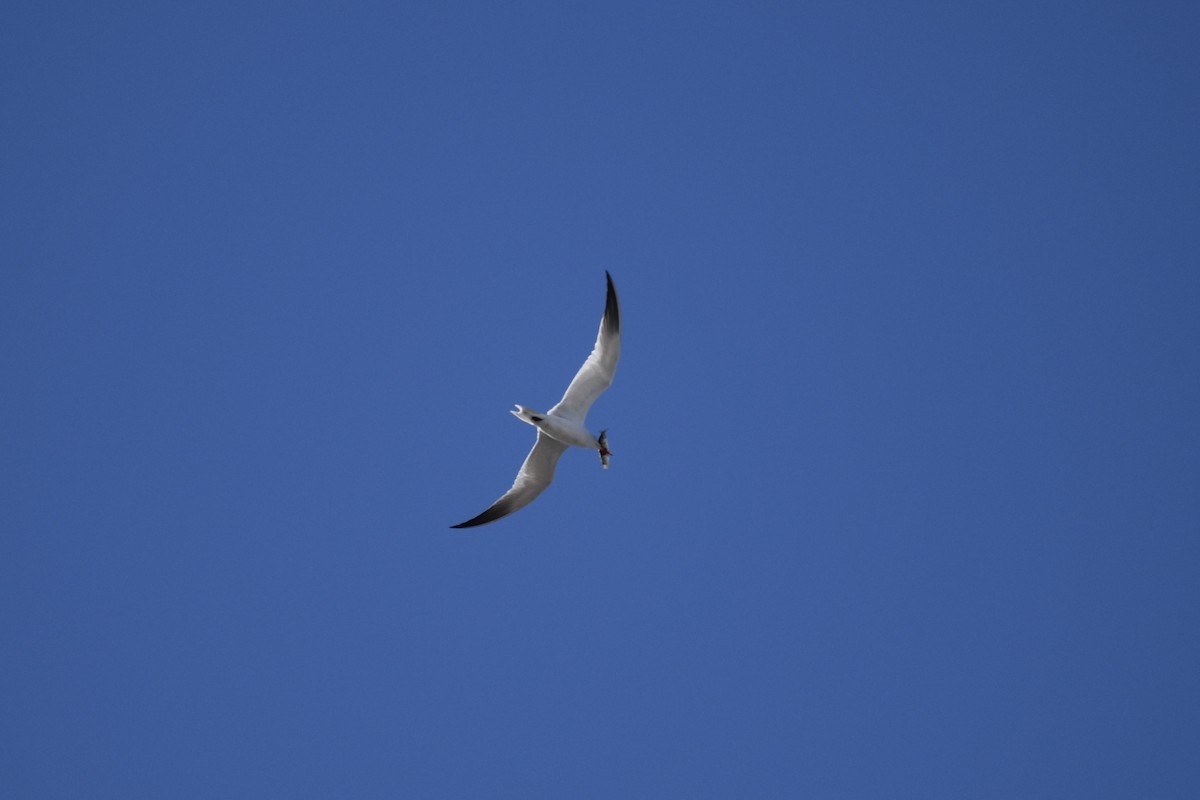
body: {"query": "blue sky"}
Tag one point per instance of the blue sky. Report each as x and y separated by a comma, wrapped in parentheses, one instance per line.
(905, 494)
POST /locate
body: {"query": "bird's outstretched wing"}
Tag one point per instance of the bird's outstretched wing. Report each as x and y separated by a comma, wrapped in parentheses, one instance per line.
(536, 474)
(597, 372)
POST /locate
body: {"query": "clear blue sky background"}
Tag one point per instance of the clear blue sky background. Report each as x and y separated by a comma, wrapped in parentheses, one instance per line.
(906, 492)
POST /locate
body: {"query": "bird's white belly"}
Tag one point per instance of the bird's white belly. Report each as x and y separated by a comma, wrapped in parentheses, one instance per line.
(567, 431)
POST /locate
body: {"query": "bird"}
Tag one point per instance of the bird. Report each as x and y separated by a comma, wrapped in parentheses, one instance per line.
(563, 425)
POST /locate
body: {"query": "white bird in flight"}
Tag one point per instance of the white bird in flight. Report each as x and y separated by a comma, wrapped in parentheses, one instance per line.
(562, 426)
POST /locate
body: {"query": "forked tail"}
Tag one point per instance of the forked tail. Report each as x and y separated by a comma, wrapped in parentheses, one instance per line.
(528, 415)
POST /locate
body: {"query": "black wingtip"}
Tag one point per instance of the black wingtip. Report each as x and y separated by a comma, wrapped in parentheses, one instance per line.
(612, 310)
(502, 507)
(482, 519)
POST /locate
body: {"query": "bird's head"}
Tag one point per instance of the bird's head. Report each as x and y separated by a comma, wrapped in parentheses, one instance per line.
(602, 446)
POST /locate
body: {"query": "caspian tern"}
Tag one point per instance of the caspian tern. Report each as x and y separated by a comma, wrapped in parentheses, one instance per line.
(562, 426)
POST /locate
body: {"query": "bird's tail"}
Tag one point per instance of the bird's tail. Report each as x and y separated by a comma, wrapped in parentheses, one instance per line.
(528, 415)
